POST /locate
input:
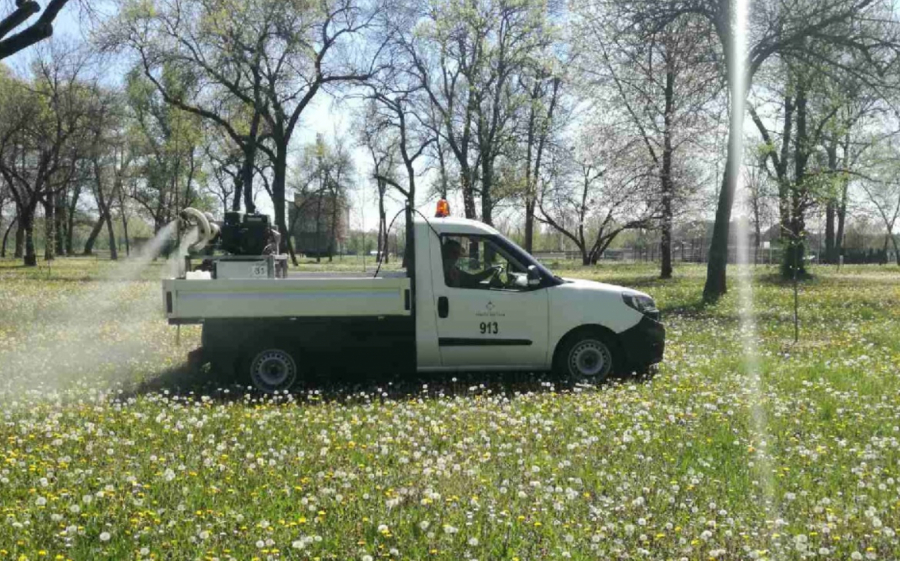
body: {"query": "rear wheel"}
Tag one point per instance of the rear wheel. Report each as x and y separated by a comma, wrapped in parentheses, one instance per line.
(272, 370)
(586, 358)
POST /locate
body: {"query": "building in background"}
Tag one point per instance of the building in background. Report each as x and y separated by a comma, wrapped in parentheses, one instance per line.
(318, 223)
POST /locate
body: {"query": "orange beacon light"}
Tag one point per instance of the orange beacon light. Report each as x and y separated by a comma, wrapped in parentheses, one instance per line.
(443, 209)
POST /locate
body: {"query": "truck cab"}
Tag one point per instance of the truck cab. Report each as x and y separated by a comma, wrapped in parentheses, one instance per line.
(469, 300)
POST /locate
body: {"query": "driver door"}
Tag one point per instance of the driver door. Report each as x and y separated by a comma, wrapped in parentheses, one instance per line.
(496, 324)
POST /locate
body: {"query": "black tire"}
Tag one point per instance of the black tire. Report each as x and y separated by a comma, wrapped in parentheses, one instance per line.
(587, 357)
(271, 369)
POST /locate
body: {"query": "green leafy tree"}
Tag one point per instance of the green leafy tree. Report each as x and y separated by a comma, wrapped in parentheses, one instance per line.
(167, 144)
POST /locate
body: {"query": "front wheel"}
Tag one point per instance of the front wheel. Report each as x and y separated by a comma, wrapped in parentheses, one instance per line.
(586, 358)
(272, 370)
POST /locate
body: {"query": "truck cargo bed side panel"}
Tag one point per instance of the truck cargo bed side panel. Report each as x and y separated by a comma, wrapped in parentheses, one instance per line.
(188, 300)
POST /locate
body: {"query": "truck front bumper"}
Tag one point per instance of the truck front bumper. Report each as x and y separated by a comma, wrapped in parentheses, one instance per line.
(644, 344)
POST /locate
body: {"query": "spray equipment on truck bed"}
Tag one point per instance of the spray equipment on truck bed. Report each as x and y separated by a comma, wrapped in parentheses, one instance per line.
(248, 234)
(249, 244)
(204, 223)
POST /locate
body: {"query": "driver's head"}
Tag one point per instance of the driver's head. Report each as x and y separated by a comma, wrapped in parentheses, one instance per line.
(452, 251)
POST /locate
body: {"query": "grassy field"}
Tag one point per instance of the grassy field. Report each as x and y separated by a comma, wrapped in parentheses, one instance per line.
(108, 451)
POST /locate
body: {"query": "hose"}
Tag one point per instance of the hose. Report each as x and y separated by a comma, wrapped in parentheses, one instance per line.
(199, 219)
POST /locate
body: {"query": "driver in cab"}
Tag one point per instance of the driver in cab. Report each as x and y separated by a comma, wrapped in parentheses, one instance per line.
(457, 278)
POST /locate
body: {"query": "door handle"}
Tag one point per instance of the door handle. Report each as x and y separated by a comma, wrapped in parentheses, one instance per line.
(443, 307)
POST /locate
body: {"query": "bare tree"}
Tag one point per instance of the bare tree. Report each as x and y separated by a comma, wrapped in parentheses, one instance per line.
(382, 147)
(758, 201)
(466, 59)
(110, 158)
(599, 193)
(665, 81)
(881, 188)
(543, 87)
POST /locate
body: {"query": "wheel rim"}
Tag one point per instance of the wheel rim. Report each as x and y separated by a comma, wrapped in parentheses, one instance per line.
(273, 370)
(590, 360)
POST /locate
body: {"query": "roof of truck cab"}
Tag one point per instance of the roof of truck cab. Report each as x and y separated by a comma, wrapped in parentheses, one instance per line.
(454, 225)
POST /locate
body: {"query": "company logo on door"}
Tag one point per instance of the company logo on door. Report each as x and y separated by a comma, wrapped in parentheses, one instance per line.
(489, 311)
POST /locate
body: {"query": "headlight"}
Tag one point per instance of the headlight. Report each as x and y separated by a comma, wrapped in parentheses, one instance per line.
(639, 302)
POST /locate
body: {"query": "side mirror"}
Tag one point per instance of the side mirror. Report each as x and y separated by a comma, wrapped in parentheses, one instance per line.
(534, 276)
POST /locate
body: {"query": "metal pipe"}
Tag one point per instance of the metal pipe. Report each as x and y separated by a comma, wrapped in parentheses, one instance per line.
(197, 218)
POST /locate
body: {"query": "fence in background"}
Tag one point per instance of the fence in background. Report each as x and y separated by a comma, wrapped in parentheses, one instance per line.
(696, 252)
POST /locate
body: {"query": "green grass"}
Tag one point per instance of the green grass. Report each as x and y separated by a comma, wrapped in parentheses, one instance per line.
(102, 436)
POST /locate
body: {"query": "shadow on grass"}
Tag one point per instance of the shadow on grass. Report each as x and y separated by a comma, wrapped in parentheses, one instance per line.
(189, 383)
(689, 309)
(775, 279)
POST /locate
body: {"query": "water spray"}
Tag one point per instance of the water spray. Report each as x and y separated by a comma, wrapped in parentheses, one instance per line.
(762, 464)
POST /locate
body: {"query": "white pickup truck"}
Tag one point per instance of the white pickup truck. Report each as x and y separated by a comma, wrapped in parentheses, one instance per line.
(470, 300)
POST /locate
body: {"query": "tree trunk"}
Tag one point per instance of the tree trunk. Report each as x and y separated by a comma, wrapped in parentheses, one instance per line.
(757, 242)
(487, 178)
(793, 264)
(49, 223)
(6, 236)
(830, 210)
(784, 186)
(72, 204)
(236, 181)
(113, 250)
(468, 191)
(60, 224)
(95, 231)
(318, 242)
(105, 211)
(382, 224)
(278, 191)
(529, 226)
(20, 238)
(841, 216)
(896, 248)
(125, 230)
(30, 258)
(665, 245)
(529, 181)
(334, 215)
(842, 208)
(829, 232)
(246, 183)
(716, 268)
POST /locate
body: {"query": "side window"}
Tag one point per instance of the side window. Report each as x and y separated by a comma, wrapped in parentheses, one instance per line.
(477, 262)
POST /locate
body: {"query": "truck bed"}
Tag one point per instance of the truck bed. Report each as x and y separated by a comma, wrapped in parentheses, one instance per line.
(192, 301)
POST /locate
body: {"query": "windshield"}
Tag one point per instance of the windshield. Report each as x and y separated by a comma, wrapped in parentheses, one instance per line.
(526, 258)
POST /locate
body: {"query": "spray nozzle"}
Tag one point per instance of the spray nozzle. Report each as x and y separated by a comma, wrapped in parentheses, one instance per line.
(202, 221)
